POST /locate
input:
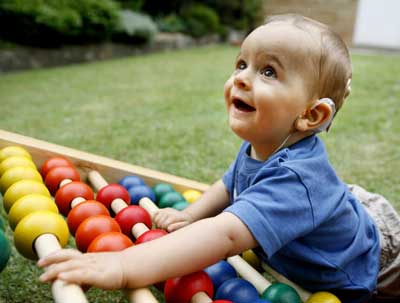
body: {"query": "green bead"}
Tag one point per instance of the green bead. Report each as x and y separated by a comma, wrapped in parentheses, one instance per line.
(170, 199)
(161, 189)
(180, 205)
(5, 251)
(281, 293)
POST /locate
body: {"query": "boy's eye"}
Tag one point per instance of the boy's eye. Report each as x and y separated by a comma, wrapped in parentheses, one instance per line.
(241, 65)
(269, 72)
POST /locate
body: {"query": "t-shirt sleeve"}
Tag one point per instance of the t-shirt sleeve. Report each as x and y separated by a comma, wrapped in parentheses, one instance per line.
(276, 209)
(227, 178)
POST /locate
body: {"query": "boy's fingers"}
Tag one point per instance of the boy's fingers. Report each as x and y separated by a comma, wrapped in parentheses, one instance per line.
(54, 270)
(77, 276)
(58, 256)
(176, 226)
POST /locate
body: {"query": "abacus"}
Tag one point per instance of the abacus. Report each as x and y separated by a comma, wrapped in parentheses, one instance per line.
(27, 199)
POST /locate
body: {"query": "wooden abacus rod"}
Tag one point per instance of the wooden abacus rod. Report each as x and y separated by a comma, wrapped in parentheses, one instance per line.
(304, 294)
(247, 272)
(98, 182)
(62, 292)
(139, 295)
(243, 268)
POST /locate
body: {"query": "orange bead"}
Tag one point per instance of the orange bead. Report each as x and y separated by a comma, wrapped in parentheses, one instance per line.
(84, 210)
(110, 241)
(91, 227)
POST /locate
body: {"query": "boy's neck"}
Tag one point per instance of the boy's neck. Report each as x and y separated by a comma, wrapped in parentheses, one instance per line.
(263, 152)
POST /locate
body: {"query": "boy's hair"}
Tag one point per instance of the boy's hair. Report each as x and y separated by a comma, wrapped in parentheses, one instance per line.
(332, 60)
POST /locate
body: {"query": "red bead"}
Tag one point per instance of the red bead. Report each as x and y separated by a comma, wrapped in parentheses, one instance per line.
(129, 216)
(54, 162)
(182, 289)
(69, 192)
(150, 235)
(58, 174)
(110, 241)
(109, 193)
(91, 227)
(83, 211)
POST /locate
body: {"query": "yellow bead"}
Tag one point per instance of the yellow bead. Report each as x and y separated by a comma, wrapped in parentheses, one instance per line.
(29, 204)
(15, 161)
(250, 257)
(10, 151)
(23, 188)
(36, 224)
(16, 174)
(191, 195)
(323, 297)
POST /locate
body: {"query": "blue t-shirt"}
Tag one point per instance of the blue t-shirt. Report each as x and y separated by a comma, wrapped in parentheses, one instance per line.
(310, 228)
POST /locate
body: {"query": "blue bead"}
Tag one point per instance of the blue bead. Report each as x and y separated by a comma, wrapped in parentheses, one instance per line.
(238, 291)
(130, 181)
(220, 272)
(140, 191)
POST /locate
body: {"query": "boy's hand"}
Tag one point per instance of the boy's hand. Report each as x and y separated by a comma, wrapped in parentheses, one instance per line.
(103, 270)
(171, 219)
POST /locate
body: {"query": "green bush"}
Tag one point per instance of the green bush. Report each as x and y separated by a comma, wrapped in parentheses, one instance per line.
(238, 14)
(134, 27)
(171, 23)
(134, 5)
(54, 22)
(200, 20)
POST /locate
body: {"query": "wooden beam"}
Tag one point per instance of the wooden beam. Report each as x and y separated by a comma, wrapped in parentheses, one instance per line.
(111, 170)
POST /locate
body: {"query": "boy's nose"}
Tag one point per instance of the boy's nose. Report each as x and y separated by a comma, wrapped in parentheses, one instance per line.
(242, 80)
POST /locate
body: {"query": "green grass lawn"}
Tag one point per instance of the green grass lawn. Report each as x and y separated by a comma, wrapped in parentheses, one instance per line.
(165, 111)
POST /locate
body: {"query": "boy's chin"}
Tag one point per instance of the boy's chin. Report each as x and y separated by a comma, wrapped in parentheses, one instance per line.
(240, 131)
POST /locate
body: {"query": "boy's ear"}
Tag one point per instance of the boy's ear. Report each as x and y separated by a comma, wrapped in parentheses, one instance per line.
(315, 117)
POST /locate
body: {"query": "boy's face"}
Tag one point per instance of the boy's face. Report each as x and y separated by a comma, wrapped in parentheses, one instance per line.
(269, 88)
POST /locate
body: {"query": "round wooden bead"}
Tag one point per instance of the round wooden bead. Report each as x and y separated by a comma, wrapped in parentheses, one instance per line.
(280, 292)
(16, 174)
(36, 224)
(22, 188)
(150, 235)
(91, 227)
(191, 195)
(182, 289)
(58, 174)
(29, 204)
(161, 189)
(131, 181)
(237, 290)
(11, 151)
(52, 163)
(138, 192)
(323, 297)
(110, 241)
(15, 161)
(109, 193)
(69, 192)
(130, 216)
(220, 272)
(84, 210)
(5, 250)
(170, 199)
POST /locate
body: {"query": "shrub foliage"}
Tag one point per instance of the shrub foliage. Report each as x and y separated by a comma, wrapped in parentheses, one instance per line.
(55, 22)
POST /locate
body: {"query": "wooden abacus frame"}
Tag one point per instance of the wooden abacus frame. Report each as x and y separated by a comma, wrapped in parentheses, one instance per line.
(112, 171)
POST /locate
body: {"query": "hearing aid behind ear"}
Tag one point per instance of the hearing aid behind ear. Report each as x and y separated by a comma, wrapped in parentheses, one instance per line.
(325, 126)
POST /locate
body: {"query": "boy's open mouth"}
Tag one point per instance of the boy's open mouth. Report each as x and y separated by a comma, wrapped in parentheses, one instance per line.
(242, 106)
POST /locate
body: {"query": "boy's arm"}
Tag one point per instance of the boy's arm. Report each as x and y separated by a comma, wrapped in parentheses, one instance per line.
(211, 203)
(189, 249)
